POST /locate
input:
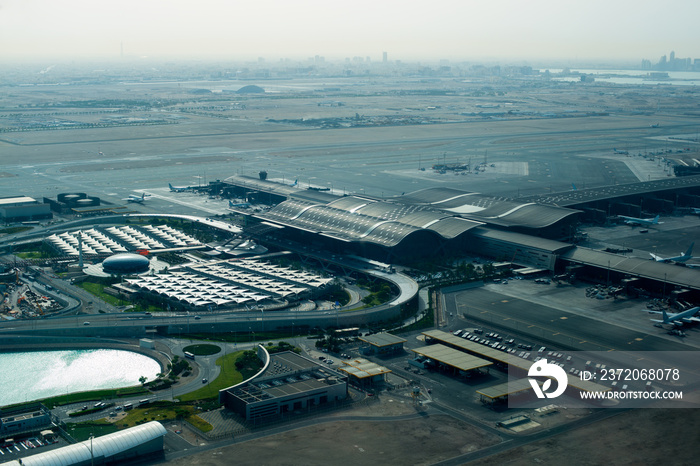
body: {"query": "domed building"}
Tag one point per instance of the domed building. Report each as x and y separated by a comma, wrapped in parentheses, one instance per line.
(251, 89)
(126, 263)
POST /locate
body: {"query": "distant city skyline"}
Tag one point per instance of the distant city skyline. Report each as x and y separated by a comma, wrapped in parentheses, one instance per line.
(407, 30)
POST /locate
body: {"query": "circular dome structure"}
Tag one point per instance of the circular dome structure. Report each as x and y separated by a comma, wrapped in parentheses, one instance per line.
(125, 263)
(251, 89)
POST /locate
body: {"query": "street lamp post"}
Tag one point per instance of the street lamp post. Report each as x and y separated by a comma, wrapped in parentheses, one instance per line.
(92, 456)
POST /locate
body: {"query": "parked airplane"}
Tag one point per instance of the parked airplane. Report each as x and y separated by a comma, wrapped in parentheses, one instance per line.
(243, 205)
(641, 221)
(655, 125)
(685, 317)
(178, 189)
(137, 199)
(684, 256)
(296, 182)
(621, 152)
(696, 210)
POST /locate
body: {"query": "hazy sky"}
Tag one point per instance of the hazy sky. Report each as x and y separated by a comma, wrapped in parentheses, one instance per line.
(406, 29)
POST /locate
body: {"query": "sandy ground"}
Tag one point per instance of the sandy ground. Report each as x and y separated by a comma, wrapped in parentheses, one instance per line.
(642, 436)
(415, 441)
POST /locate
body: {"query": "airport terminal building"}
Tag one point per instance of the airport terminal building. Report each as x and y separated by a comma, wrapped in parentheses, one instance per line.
(535, 232)
(425, 223)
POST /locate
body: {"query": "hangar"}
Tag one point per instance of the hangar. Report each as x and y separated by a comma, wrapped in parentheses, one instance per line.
(116, 448)
(21, 208)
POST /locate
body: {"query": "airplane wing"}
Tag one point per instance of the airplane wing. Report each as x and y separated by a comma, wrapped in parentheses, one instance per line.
(656, 258)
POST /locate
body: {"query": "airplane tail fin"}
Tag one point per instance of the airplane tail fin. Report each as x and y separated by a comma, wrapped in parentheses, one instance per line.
(665, 316)
(656, 220)
(689, 252)
(574, 186)
(170, 186)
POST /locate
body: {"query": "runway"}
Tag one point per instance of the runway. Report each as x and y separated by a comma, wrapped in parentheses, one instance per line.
(528, 156)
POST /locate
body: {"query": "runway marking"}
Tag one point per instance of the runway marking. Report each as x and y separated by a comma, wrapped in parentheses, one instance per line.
(525, 323)
(507, 318)
(504, 301)
(563, 318)
(220, 210)
(638, 339)
(554, 334)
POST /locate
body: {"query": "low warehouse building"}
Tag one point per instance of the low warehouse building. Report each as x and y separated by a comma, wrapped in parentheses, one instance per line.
(20, 208)
(287, 383)
(382, 343)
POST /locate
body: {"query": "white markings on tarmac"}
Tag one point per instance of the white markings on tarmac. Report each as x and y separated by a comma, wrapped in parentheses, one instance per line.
(198, 206)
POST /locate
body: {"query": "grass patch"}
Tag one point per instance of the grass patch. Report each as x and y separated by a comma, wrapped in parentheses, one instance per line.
(427, 321)
(11, 230)
(82, 430)
(81, 397)
(202, 350)
(229, 376)
(97, 289)
(200, 423)
(164, 411)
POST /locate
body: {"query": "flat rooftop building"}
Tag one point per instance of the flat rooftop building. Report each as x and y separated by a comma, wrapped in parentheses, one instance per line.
(287, 383)
(382, 343)
(361, 371)
(23, 208)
